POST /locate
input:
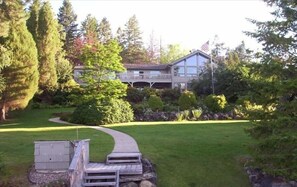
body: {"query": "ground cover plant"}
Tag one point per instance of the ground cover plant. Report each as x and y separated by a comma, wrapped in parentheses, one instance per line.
(17, 141)
(192, 154)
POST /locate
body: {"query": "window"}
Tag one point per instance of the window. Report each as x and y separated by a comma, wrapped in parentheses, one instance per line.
(202, 61)
(182, 63)
(192, 61)
(192, 71)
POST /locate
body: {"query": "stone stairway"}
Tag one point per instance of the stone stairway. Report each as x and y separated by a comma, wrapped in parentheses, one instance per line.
(96, 178)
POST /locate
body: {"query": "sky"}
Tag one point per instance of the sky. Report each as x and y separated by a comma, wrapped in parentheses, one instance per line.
(189, 23)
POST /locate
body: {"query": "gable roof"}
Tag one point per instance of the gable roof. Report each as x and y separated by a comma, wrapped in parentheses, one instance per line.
(189, 55)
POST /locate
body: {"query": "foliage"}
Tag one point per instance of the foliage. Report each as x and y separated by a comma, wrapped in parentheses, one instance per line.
(32, 22)
(100, 63)
(170, 95)
(67, 18)
(171, 53)
(89, 29)
(180, 116)
(187, 100)
(48, 44)
(274, 87)
(134, 95)
(64, 69)
(103, 112)
(130, 40)
(155, 103)
(196, 113)
(21, 76)
(216, 103)
(104, 31)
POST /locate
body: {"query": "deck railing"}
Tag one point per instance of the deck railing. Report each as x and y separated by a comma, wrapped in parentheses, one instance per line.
(144, 76)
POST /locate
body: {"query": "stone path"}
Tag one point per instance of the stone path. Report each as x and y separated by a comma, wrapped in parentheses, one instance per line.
(123, 142)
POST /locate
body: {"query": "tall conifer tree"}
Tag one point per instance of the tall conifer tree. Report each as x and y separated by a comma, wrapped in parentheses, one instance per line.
(104, 31)
(133, 50)
(67, 18)
(32, 22)
(22, 75)
(89, 29)
(48, 46)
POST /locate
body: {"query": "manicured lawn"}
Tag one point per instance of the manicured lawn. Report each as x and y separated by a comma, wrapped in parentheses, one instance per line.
(17, 140)
(204, 154)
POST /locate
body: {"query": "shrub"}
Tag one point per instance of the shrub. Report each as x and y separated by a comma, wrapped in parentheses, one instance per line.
(98, 112)
(155, 103)
(134, 95)
(187, 100)
(170, 95)
(147, 92)
(216, 103)
(196, 113)
(180, 116)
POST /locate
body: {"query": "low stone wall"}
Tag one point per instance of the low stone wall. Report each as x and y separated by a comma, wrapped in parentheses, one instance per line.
(79, 163)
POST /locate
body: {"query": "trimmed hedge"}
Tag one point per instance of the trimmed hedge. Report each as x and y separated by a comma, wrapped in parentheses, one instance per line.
(103, 112)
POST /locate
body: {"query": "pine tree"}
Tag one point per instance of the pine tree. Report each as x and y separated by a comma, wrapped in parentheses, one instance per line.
(153, 50)
(67, 18)
(21, 76)
(32, 22)
(133, 50)
(274, 85)
(48, 46)
(104, 31)
(89, 29)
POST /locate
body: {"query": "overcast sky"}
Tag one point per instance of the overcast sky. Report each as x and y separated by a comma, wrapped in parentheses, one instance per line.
(189, 23)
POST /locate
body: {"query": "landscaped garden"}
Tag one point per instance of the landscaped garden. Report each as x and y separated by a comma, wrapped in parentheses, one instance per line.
(208, 153)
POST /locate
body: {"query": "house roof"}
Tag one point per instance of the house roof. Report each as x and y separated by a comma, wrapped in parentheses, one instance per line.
(189, 55)
(146, 66)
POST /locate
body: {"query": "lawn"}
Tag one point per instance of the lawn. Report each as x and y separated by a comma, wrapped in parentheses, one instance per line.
(17, 141)
(192, 154)
(204, 154)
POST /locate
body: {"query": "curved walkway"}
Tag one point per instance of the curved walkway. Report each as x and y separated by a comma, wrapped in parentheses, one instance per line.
(123, 142)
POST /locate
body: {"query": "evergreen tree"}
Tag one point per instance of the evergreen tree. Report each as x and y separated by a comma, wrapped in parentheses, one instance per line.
(48, 45)
(274, 85)
(21, 76)
(133, 50)
(153, 50)
(89, 29)
(32, 22)
(104, 31)
(67, 18)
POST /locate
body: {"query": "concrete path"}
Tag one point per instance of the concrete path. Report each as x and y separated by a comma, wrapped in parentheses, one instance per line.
(123, 142)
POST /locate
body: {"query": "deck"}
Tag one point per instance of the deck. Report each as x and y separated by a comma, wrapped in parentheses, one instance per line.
(124, 169)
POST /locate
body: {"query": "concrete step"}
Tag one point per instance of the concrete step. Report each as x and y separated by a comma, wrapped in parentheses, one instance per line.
(119, 158)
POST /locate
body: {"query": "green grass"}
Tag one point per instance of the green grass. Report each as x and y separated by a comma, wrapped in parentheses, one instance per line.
(186, 154)
(202, 154)
(17, 140)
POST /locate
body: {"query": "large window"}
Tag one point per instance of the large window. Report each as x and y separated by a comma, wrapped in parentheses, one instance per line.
(192, 61)
(191, 71)
(182, 63)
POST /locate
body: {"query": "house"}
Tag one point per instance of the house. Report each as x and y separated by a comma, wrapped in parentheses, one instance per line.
(176, 74)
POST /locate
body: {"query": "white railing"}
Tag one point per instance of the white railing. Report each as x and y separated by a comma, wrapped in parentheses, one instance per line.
(143, 76)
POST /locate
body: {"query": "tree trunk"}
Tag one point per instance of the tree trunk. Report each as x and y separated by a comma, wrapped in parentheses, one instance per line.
(3, 113)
